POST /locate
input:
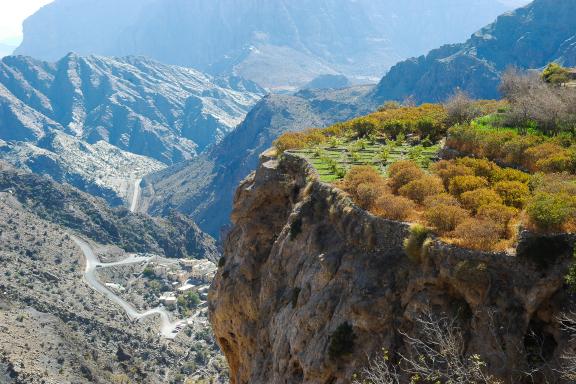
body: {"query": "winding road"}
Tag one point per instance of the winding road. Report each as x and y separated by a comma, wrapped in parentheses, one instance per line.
(135, 195)
(168, 329)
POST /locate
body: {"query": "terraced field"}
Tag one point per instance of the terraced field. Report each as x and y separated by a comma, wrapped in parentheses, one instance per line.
(333, 160)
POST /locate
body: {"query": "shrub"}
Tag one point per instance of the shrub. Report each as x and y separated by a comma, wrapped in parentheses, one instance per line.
(413, 244)
(364, 127)
(341, 341)
(460, 184)
(513, 193)
(481, 167)
(298, 140)
(367, 194)
(557, 163)
(360, 174)
(445, 218)
(481, 234)
(388, 105)
(500, 214)
(419, 189)
(394, 207)
(549, 212)
(447, 170)
(460, 108)
(428, 128)
(511, 174)
(473, 200)
(402, 173)
(441, 199)
(541, 152)
(555, 74)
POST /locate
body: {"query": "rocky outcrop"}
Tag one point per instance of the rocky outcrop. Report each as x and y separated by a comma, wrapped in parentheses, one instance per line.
(301, 260)
(528, 38)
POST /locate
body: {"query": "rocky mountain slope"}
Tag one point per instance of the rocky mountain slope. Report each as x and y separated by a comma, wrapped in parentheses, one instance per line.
(54, 327)
(203, 187)
(308, 273)
(100, 122)
(529, 38)
(279, 44)
(176, 236)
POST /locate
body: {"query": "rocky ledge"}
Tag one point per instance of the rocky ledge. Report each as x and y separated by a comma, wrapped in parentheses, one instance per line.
(301, 260)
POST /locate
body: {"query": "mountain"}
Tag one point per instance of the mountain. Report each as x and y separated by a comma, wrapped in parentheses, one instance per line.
(281, 44)
(530, 37)
(55, 325)
(68, 207)
(103, 123)
(203, 187)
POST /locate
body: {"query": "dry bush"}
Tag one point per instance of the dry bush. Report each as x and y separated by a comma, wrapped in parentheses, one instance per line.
(540, 152)
(461, 109)
(360, 174)
(500, 214)
(473, 200)
(460, 184)
(480, 234)
(418, 190)
(298, 140)
(367, 193)
(447, 170)
(394, 207)
(402, 173)
(513, 193)
(441, 199)
(445, 218)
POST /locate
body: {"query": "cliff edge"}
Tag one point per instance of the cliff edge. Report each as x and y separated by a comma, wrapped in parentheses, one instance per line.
(302, 262)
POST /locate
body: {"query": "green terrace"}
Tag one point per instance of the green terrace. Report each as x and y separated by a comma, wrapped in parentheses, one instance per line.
(334, 160)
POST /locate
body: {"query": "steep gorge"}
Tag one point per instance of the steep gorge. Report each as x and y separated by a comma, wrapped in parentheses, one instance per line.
(301, 260)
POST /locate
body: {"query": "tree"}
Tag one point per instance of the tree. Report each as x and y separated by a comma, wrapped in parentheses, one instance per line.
(555, 74)
(460, 108)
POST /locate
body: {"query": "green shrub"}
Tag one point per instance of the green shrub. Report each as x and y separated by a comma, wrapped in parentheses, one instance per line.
(221, 262)
(460, 184)
(415, 241)
(481, 167)
(402, 173)
(341, 341)
(549, 212)
(513, 193)
(418, 190)
(295, 228)
(555, 74)
(364, 127)
(511, 174)
(445, 218)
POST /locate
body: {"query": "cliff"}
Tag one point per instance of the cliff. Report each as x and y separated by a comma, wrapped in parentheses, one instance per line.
(301, 260)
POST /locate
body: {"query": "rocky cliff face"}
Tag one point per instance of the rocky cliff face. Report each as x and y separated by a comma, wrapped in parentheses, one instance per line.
(529, 38)
(301, 260)
(277, 43)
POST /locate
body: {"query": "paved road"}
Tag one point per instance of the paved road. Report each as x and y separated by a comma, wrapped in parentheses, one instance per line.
(135, 195)
(167, 328)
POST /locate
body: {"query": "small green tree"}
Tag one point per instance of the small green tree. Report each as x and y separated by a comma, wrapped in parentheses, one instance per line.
(555, 74)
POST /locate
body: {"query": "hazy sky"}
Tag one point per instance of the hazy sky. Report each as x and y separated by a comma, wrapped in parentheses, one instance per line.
(12, 14)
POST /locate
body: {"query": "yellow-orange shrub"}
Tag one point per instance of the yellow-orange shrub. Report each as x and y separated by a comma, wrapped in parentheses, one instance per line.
(402, 173)
(473, 200)
(481, 234)
(418, 190)
(445, 218)
(394, 207)
(460, 184)
(513, 193)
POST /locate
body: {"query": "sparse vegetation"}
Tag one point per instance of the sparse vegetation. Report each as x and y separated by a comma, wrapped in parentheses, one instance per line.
(341, 341)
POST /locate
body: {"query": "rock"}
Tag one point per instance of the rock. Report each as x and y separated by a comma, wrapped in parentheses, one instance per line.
(302, 261)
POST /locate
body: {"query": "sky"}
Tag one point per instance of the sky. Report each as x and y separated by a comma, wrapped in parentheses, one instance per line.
(12, 14)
